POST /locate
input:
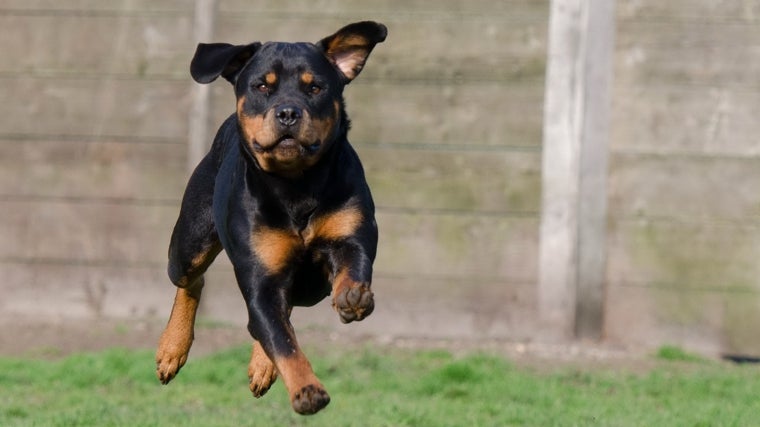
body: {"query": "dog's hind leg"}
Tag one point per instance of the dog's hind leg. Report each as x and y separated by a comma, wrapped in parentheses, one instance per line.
(194, 245)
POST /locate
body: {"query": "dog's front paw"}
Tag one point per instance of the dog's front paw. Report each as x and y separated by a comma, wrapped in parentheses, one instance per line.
(310, 399)
(353, 301)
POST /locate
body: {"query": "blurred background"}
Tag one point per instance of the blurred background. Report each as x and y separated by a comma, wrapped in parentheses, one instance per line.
(448, 117)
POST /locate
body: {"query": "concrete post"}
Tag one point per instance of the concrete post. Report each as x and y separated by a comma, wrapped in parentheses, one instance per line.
(574, 168)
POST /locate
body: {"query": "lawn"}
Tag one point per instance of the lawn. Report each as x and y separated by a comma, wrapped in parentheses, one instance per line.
(378, 386)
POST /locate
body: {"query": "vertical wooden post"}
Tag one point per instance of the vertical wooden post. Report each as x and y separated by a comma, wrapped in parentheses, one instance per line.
(199, 137)
(574, 168)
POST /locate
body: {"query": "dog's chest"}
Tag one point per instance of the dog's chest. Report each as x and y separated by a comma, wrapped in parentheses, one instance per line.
(275, 246)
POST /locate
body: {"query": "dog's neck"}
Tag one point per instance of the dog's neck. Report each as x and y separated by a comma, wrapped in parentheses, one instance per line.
(298, 196)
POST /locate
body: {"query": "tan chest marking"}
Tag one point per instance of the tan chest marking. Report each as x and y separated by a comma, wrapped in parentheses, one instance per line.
(275, 247)
(333, 226)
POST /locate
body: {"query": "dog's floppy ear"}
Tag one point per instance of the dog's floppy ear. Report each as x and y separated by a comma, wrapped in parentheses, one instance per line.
(220, 59)
(349, 48)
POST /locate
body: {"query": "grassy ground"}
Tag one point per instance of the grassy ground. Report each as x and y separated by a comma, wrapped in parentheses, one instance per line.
(378, 387)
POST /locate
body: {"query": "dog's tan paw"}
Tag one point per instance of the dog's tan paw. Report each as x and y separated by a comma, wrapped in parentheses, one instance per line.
(261, 372)
(173, 348)
(168, 364)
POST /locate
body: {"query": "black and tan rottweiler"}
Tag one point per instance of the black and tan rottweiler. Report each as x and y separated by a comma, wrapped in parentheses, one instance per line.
(283, 193)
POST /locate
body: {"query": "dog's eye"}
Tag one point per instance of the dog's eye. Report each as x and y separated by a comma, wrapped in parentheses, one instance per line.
(314, 89)
(263, 88)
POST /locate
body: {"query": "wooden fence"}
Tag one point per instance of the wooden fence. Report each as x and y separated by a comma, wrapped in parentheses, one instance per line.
(448, 120)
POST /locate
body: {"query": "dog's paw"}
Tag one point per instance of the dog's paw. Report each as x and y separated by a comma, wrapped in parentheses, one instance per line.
(168, 363)
(310, 399)
(171, 355)
(354, 301)
(261, 373)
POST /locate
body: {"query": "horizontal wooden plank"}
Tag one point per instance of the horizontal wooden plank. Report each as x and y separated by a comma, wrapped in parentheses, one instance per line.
(458, 115)
(489, 114)
(137, 46)
(161, 44)
(438, 310)
(86, 233)
(114, 234)
(710, 323)
(693, 10)
(699, 52)
(327, 7)
(667, 118)
(409, 8)
(717, 66)
(155, 173)
(494, 47)
(686, 257)
(473, 247)
(112, 107)
(58, 6)
(437, 307)
(71, 291)
(76, 169)
(463, 181)
(685, 188)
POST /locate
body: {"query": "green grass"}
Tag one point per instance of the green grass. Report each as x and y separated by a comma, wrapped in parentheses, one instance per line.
(673, 353)
(376, 387)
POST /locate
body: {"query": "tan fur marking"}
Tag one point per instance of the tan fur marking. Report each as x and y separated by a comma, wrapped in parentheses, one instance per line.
(199, 259)
(251, 126)
(323, 129)
(296, 373)
(259, 129)
(320, 130)
(307, 78)
(182, 282)
(270, 78)
(335, 225)
(203, 257)
(175, 342)
(182, 318)
(261, 371)
(273, 247)
(340, 281)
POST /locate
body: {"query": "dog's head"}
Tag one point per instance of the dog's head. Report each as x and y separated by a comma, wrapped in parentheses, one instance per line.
(290, 95)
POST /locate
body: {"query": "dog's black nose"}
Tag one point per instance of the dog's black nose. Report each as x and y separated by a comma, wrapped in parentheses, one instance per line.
(288, 115)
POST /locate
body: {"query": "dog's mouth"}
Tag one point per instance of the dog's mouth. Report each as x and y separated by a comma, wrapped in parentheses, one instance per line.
(288, 146)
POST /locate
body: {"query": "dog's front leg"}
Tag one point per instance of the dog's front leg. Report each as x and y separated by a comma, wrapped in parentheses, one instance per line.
(350, 266)
(269, 324)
